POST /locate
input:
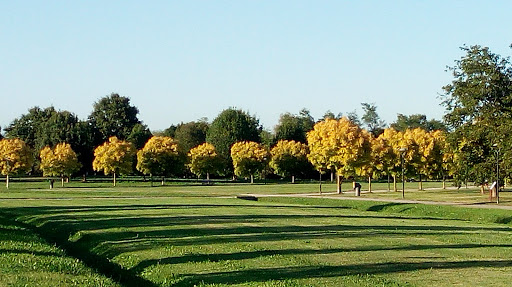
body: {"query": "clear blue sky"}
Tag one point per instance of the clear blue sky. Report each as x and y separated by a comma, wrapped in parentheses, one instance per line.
(183, 60)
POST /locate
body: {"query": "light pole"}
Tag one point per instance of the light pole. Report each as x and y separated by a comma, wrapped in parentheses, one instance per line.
(497, 153)
(402, 151)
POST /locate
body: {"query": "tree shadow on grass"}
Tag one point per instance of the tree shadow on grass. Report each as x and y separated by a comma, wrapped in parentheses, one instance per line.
(197, 258)
(287, 273)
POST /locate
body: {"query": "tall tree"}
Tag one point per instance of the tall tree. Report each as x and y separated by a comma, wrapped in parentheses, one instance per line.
(190, 135)
(15, 158)
(404, 122)
(113, 115)
(114, 157)
(478, 105)
(139, 135)
(371, 119)
(231, 126)
(340, 145)
(294, 127)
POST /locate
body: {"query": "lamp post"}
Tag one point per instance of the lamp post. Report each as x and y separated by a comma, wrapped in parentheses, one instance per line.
(402, 151)
(497, 153)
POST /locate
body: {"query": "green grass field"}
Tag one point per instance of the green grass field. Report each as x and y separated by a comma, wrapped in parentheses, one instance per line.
(193, 235)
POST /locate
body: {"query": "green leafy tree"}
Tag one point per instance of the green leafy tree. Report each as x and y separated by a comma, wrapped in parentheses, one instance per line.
(371, 119)
(249, 158)
(190, 135)
(139, 135)
(114, 157)
(231, 126)
(294, 127)
(478, 105)
(404, 122)
(113, 115)
(15, 158)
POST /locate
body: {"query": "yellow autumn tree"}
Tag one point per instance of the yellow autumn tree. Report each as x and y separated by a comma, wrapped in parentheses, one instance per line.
(424, 152)
(386, 154)
(249, 158)
(339, 144)
(59, 161)
(159, 156)
(114, 157)
(289, 158)
(204, 160)
(15, 158)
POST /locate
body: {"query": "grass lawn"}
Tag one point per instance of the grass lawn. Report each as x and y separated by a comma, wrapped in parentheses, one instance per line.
(201, 235)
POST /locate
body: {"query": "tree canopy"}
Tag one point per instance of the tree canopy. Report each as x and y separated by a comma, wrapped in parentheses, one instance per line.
(478, 105)
(294, 127)
(159, 156)
(113, 115)
(204, 160)
(249, 158)
(15, 157)
(114, 157)
(59, 161)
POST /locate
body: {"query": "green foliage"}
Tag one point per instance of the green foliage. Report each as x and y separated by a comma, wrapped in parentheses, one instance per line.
(294, 127)
(190, 135)
(114, 116)
(139, 135)
(371, 119)
(478, 103)
(404, 122)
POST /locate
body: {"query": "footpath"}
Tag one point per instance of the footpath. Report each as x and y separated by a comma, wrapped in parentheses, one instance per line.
(347, 196)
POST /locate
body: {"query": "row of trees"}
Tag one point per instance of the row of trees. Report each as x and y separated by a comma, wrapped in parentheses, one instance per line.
(339, 146)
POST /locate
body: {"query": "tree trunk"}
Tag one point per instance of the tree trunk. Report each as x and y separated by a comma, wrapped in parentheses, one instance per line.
(252, 179)
(369, 184)
(51, 183)
(389, 184)
(444, 181)
(293, 178)
(163, 180)
(338, 183)
(208, 176)
(320, 182)
(151, 179)
(332, 176)
(421, 183)
(115, 179)
(394, 183)
(62, 181)
(7, 181)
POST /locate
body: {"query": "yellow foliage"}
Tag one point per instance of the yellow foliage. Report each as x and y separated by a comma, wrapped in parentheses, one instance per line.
(288, 157)
(114, 156)
(15, 156)
(157, 156)
(338, 144)
(248, 157)
(60, 161)
(203, 159)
